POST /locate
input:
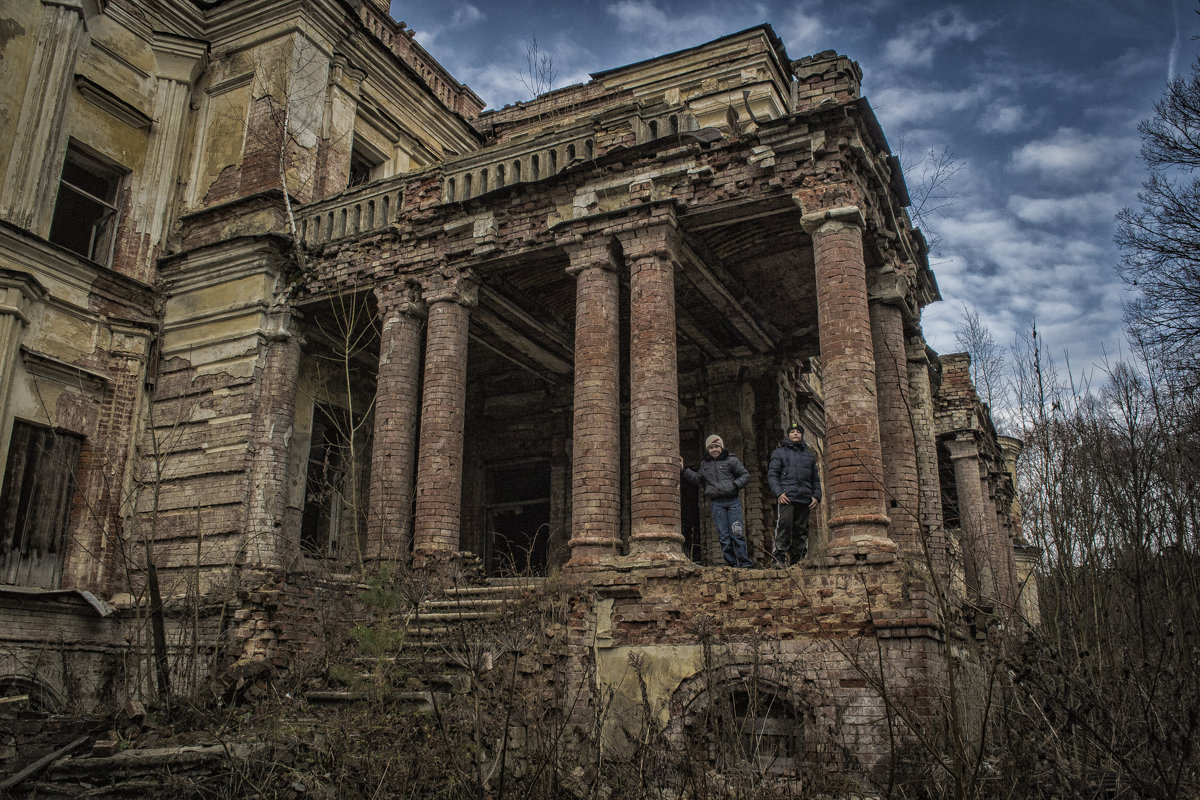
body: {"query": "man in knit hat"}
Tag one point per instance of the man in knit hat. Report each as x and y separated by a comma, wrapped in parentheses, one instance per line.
(723, 477)
(796, 484)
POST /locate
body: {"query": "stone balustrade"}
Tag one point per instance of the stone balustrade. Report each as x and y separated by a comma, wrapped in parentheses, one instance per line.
(355, 211)
(522, 162)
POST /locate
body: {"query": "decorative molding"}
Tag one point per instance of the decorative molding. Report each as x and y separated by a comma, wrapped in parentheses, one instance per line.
(105, 100)
(39, 365)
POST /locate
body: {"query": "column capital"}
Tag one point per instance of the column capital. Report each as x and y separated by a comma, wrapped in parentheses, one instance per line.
(887, 284)
(402, 298)
(657, 239)
(842, 217)
(962, 446)
(587, 252)
(177, 58)
(346, 75)
(18, 291)
(917, 350)
(454, 286)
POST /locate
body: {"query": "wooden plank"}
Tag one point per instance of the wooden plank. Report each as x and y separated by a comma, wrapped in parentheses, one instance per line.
(42, 763)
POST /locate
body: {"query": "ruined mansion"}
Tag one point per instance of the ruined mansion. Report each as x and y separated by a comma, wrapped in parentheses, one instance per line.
(281, 304)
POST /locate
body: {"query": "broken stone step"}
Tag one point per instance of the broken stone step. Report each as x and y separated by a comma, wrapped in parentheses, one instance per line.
(469, 602)
(461, 615)
(419, 700)
(514, 589)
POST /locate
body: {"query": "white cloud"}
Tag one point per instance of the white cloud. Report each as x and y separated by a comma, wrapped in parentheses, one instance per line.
(918, 41)
(1003, 119)
(1012, 272)
(803, 32)
(466, 14)
(639, 16)
(1071, 153)
(901, 106)
(1084, 209)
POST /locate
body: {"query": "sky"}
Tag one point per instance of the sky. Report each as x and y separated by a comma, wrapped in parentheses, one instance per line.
(1038, 101)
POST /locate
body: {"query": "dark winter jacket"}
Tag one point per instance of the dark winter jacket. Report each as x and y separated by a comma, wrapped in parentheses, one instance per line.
(793, 469)
(722, 477)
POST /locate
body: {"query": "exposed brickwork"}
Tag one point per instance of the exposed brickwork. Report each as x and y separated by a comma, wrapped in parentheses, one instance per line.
(653, 394)
(985, 514)
(826, 77)
(776, 631)
(397, 404)
(896, 426)
(268, 542)
(925, 439)
(854, 462)
(971, 512)
(443, 411)
(596, 451)
(690, 247)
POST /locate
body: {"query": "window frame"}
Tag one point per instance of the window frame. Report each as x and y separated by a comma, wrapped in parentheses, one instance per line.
(102, 238)
(44, 500)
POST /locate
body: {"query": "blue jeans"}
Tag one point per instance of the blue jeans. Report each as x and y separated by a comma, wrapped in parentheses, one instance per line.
(727, 517)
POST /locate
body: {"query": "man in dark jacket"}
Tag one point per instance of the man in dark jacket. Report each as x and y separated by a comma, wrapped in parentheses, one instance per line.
(796, 484)
(723, 476)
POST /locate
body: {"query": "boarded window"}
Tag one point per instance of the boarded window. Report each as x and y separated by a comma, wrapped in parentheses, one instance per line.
(85, 211)
(753, 727)
(35, 504)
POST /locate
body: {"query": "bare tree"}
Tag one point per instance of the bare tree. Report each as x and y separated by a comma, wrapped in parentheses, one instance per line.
(538, 75)
(989, 364)
(1160, 240)
(930, 189)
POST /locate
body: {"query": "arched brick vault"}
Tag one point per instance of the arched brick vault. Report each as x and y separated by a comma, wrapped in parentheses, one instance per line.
(777, 686)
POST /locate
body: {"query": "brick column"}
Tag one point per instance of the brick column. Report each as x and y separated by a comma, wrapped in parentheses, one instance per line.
(920, 397)
(655, 524)
(596, 435)
(443, 412)
(397, 402)
(999, 551)
(853, 454)
(897, 440)
(266, 545)
(964, 453)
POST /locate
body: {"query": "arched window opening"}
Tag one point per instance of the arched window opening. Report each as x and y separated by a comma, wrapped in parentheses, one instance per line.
(534, 168)
(653, 128)
(589, 149)
(553, 162)
(450, 190)
(570, 153)
(483, 181)
(516, 173)
(467, 186)
(674, 123)
(751, 727)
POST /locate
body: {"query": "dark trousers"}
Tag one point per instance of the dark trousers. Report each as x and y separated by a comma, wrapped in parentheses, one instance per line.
(791, 532)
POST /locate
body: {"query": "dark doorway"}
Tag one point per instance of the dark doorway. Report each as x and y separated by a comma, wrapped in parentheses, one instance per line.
(518, 517)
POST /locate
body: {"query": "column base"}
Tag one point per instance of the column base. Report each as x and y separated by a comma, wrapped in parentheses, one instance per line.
(860, 535)
(448, 563)
(656, 549)
(592, 554)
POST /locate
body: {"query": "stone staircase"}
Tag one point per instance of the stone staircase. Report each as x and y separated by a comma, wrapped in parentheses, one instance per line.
(449, 638)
